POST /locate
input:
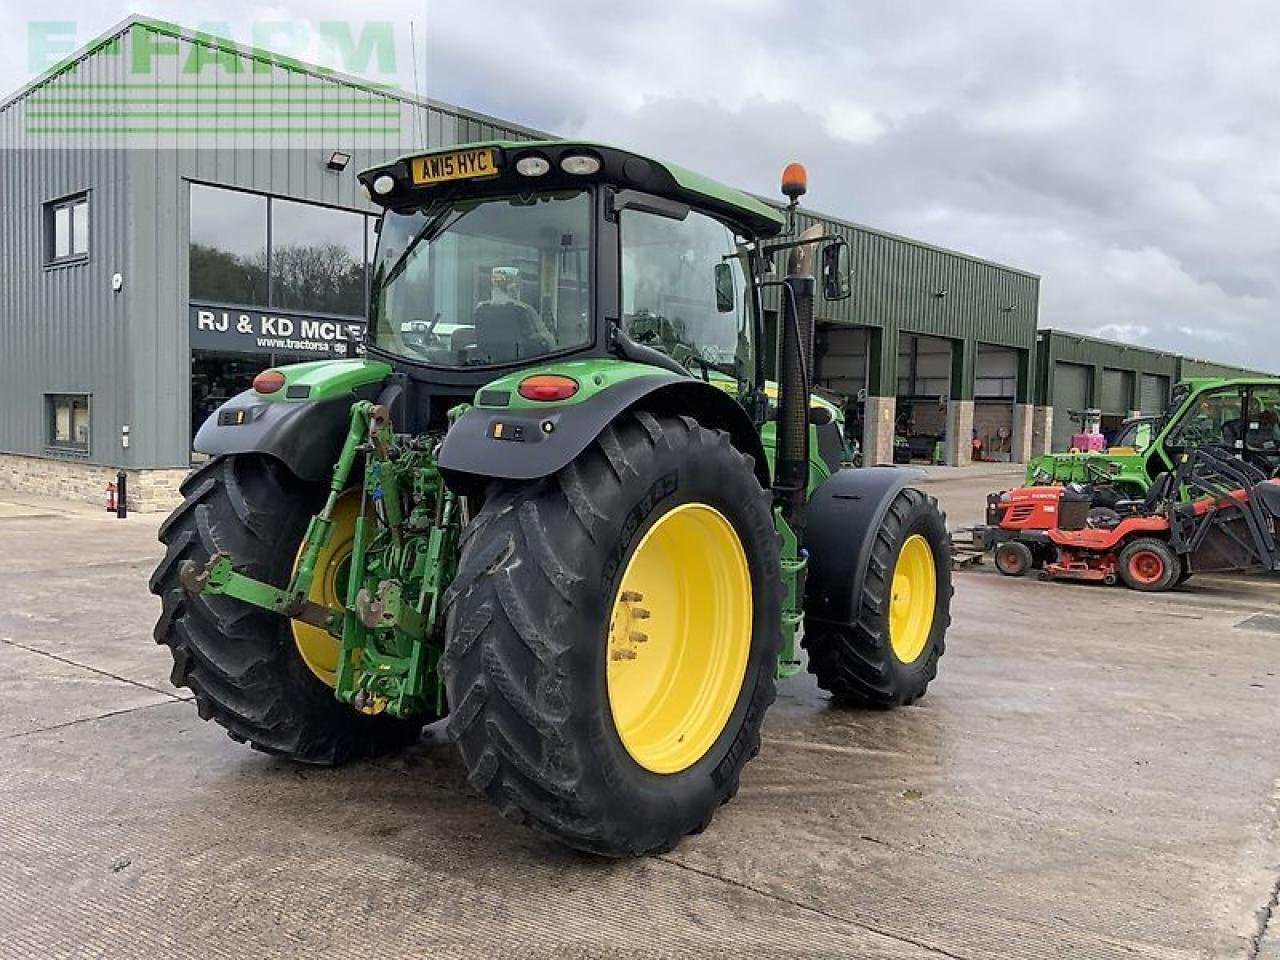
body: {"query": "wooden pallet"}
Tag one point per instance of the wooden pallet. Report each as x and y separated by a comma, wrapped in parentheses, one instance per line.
(963, 552)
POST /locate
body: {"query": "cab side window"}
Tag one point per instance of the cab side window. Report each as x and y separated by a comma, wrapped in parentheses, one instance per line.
(1214, 418)
(1262, 420)
(669, 293)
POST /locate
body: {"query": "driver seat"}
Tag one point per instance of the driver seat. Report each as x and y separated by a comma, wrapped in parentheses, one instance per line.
(508, 331)
(1163, 487)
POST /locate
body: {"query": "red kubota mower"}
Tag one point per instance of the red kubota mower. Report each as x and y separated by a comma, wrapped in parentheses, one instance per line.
(1226, 522)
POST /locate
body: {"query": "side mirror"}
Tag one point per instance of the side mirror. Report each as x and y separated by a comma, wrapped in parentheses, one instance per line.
(724, 287)
(836, 284)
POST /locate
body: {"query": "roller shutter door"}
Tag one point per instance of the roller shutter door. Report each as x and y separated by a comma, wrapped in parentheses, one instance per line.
(842, 359)
(1117, 391)
(1070, 392)
(1153, 397)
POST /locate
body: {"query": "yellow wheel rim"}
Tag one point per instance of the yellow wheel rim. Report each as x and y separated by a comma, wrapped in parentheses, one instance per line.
(679, 638)
(316, 646)
(914, 596)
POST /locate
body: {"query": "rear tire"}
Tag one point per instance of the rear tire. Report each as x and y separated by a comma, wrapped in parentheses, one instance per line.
(857, 664)
(241, 662)
(530, 618)
(1013, 558)
(1149, 565)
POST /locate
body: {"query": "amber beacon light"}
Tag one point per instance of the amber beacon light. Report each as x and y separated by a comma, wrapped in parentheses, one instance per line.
(795, 181)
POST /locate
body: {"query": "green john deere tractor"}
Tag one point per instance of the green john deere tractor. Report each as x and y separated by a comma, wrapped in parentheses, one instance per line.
(1240, 416)
(556, 502)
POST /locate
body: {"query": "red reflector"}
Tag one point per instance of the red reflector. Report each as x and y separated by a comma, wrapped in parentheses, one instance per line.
(268, 381)
(547, 386)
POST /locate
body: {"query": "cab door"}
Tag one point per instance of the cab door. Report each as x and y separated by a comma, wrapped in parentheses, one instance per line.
(1261, 426)
(1213, 418)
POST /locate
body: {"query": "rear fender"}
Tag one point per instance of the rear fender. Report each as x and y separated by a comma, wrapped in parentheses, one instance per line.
(841, 523)
(303, 424)
(532, 441)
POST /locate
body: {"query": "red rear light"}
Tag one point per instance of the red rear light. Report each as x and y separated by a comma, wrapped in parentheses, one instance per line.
(268, 381)
(547, 386)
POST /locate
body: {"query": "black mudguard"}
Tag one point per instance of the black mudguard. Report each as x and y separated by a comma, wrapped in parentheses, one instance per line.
(525, 444)
(841, 523)
(304, 435)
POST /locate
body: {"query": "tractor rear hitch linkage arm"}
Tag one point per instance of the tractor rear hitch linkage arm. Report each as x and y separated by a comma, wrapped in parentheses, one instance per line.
(370, 428)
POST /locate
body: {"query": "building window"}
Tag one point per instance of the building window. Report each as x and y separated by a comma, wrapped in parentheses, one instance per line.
(66, 229)
(228, 260)
(68, 418)
(254, 251)
(317, 259)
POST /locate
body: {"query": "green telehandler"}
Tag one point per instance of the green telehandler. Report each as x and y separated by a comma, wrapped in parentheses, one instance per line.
(556, 502)
(1240, 414)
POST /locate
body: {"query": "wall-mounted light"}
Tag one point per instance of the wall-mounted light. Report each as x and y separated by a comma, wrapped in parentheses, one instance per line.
(338, 161)
(939, 294)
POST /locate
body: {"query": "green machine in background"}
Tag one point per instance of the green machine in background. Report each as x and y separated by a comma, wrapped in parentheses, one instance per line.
(1239, 414)
(556, 502)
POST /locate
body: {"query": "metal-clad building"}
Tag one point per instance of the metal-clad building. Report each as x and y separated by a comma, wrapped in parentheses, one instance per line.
(1074, 373)
(939, 343)
(108, 156)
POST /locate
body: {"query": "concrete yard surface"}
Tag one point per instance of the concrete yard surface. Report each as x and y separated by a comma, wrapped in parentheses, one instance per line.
(1093, 775)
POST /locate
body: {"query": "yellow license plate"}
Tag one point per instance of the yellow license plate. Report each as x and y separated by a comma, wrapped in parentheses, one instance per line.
(461, 165)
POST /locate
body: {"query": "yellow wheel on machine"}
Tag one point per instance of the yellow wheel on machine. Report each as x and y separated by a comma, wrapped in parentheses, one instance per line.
(260, 675)
(884, 652)
(612, 638)
(679, 636)
(913, 600)
(316, 646)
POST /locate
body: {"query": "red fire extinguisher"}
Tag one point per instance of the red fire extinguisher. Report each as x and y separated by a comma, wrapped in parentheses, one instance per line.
(111, 498)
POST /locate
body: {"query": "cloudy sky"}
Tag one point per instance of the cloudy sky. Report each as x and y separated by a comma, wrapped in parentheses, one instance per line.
(1126, 152)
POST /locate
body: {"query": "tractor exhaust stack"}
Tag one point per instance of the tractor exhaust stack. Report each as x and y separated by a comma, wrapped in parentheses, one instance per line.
(795, 363)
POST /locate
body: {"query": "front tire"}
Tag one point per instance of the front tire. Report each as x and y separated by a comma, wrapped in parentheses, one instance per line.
(546, 609)
(888, 656)
(1013, 558)
(241, 662)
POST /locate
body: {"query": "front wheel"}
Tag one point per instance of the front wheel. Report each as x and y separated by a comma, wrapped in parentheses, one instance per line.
(612, 637)
(1013, 558)
(889, 654)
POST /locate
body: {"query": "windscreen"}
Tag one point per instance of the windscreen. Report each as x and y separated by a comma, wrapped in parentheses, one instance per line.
(484, 282)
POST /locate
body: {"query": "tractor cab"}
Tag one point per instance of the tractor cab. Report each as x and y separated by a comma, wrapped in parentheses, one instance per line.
(503, 254)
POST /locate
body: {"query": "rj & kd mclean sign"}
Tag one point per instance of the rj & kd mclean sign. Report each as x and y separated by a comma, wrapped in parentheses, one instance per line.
(230, 330)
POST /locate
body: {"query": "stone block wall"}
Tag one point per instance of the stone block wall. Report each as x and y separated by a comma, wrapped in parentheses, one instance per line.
(80, 482)
(877, 430)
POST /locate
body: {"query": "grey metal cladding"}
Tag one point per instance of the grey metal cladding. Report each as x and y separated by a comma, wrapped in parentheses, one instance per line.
(64, 329)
